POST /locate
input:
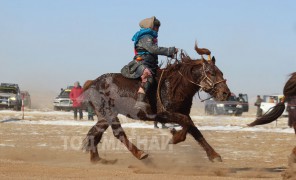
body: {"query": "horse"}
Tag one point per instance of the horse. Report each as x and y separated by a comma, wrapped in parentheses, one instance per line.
(170, 100)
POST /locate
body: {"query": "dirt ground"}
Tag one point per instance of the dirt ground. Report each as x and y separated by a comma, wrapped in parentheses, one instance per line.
(37, 149)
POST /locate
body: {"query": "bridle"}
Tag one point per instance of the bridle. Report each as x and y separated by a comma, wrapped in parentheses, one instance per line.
(208, 80)
(205, 78)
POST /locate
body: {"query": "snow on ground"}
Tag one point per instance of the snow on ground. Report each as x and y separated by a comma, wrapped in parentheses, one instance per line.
(210, 123)
(36, 112)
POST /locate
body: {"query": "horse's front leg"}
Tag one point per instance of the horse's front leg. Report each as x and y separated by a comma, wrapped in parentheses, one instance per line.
(181, 119)
(178, 136)
(211, 153)
(188, 126)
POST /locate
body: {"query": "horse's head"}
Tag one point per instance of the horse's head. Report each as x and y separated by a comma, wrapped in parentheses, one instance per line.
(210, 77)
(212, 80)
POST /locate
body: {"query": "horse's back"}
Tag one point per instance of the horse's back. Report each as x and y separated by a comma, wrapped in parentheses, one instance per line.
(114, 81)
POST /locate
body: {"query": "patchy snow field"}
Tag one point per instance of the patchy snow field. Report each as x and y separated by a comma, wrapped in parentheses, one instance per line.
(46, 145)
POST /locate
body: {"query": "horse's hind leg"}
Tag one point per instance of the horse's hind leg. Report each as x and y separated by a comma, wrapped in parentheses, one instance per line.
(120, 134)
(93, 137)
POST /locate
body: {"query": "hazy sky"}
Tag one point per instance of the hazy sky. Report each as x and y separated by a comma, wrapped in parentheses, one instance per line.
(49, 44)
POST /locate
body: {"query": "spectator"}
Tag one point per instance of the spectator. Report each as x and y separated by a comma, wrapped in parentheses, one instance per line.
(75, 93)
(258, 103)
(240, 98)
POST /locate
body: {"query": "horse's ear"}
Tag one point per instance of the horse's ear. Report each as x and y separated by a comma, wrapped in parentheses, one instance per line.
(213, 60)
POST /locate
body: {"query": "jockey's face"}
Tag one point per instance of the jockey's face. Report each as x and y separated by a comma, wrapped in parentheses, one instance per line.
(155, 28)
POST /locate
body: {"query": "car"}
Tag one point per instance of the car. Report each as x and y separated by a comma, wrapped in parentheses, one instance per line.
(244, 101)
(10, 96)
(269, 101)
(63, 101)
(27, 98)
(232, 106)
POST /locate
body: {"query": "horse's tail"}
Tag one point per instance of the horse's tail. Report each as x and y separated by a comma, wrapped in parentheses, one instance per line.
(87, 84)
(270, 116)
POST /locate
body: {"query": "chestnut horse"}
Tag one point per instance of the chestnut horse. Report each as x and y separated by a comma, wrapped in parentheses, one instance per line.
(170, 99)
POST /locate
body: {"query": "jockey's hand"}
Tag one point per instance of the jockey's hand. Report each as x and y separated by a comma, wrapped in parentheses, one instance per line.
(174, 53)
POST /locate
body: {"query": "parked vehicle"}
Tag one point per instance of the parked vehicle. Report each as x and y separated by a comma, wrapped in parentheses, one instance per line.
(244, 100)
(10, 96)
(233, 106)
(63, 101)
(270, 101)
(27, 98)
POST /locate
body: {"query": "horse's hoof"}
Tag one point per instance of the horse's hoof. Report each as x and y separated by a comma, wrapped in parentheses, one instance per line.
(171, 141)
(250, 125)
(104, 161)
(216, 159)
(143, 156)
(95, 160)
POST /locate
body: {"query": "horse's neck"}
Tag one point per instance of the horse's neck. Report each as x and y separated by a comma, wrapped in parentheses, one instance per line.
(178, 86)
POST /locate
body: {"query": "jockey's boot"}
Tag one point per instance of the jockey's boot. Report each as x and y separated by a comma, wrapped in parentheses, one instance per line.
(142, 105)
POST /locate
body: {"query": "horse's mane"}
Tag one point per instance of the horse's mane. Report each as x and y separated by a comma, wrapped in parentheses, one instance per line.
(184, 64)
(290, 86)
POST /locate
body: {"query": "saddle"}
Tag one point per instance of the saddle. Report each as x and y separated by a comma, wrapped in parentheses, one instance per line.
(133, 69)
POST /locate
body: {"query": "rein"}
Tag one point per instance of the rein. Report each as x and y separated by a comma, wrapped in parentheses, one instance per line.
(158, 89)
(159, 82)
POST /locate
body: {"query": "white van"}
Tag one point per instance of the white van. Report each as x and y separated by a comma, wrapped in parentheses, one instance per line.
(270, 101)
